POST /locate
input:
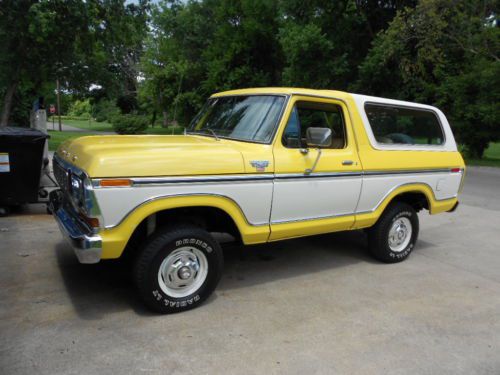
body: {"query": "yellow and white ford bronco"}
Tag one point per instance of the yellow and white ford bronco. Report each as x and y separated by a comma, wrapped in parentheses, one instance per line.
(263, 165)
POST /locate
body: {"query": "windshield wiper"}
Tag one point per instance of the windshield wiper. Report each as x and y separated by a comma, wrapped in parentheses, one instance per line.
(207, 130)
(213, 132)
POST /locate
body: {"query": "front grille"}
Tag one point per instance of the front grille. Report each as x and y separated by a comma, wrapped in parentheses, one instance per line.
(61, 175)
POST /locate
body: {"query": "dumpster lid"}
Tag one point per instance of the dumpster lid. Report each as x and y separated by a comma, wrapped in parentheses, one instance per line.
(12, 131)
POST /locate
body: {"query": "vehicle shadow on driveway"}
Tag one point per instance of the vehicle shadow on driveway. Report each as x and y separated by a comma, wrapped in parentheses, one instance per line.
(96, 290)
(252, 265)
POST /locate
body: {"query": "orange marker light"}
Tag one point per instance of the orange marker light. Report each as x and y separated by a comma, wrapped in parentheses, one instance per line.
(92, 221)
(116, 182)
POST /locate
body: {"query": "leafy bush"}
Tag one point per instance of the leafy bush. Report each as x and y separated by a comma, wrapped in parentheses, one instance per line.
(80, 108)
(129, 124)
(105, 110)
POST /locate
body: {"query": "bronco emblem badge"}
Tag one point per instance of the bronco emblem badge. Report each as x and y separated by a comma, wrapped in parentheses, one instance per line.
(259, 165)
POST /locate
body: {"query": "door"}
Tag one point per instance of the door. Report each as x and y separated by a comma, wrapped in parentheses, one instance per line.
(322, 200)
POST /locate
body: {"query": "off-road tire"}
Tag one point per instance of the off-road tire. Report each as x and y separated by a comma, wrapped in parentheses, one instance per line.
(163, 243)
(378, 235)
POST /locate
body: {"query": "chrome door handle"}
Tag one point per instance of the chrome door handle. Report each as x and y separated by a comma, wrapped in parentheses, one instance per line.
(347, 162)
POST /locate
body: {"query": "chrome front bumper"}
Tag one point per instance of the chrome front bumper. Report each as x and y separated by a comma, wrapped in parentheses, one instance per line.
(87, 245)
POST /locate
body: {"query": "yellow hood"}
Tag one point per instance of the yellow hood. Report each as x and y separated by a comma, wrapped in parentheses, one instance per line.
(151, 155)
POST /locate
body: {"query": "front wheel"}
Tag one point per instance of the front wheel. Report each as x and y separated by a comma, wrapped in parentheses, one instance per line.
(393, 238)
(178, 268)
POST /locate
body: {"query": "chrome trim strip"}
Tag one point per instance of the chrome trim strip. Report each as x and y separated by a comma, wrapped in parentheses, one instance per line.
(200, 179)
(287, 176)
(406, 171)
(185, 195)
(146, 181)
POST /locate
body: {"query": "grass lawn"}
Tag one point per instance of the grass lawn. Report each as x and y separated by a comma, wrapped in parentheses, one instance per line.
(57, 137)
(491, 157)
(107, 127)
(83, 124)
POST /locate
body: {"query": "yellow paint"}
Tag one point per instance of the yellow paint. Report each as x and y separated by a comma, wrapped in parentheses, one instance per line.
(293, 161)
(368, 219)
(148, 155)
(310, 227)
(115, 239)
(289, 160)
(332, 94)
(152, 155)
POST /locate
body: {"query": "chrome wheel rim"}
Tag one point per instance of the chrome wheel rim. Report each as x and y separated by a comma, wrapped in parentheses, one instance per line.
(183, 272)
(400, 234)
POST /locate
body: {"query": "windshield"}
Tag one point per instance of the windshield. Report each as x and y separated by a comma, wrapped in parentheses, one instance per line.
(248, 118)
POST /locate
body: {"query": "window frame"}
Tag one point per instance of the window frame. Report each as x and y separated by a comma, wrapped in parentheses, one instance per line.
(342, 114)
(403, 146)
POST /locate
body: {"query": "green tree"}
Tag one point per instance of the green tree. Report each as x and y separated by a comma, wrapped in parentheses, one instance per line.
(37, 37)
(80, 43)
(324, 41)
(442, 52)
(171, 64)
(244, 50)
(197, 48)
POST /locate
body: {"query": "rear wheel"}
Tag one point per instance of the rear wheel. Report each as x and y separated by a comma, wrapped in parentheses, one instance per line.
(393, 238)
(178, 268)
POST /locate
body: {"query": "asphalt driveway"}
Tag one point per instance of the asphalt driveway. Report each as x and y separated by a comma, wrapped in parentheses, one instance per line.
(316, 305)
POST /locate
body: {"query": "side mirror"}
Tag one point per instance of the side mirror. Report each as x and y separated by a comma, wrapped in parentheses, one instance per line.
(319, 137)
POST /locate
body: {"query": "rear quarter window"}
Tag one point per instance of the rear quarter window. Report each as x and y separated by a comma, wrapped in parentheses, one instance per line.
(404, 125)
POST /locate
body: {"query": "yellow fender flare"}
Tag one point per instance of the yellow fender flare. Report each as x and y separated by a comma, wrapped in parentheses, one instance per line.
(435, 206)
(115, 239)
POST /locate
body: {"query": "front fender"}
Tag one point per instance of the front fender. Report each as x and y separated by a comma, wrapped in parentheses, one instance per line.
(115, 239)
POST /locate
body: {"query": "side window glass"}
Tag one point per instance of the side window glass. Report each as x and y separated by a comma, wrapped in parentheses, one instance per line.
(402, 125)
(291, 136)
(318, 115)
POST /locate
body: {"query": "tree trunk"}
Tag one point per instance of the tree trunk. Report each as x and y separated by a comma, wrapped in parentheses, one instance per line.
(7, 103)
(58, 97)
(153, 120)
(165, 119)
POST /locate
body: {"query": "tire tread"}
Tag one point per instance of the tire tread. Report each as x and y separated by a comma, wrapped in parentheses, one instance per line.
(377, 236)
(155, 244)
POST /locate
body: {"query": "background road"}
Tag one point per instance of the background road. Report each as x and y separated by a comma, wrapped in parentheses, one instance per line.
(315, 305)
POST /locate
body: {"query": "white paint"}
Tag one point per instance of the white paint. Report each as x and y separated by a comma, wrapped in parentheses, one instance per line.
(310, 198)
(294, 199)
(254, 198)
(376, 188)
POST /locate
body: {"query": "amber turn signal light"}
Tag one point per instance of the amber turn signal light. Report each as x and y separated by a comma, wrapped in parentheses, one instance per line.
(116, 182)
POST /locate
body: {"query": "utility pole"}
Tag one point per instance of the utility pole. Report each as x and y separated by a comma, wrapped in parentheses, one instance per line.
(58, 91)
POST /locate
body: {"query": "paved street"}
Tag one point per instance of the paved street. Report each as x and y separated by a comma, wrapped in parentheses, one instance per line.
(316, 305)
